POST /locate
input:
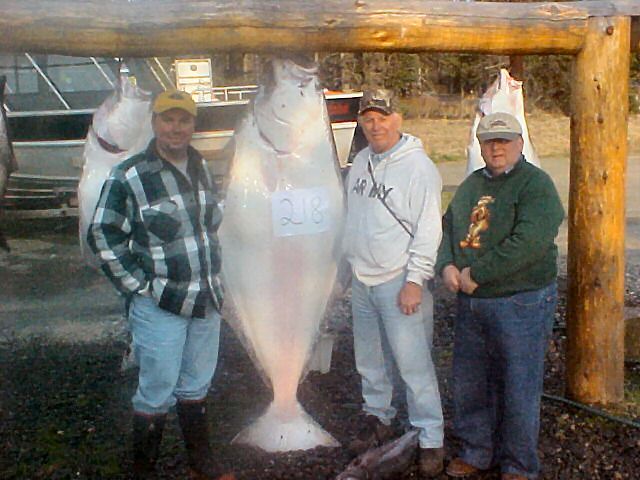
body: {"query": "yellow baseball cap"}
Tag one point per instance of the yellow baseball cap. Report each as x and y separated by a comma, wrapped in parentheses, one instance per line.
(174, 99)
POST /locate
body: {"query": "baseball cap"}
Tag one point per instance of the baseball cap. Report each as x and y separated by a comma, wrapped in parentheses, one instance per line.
(498, 125)
(380, 99)
(174, 99)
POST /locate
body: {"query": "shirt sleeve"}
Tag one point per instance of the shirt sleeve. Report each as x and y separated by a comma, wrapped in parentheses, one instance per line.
(109, 235)
(539, 213)
(425, 200)
(445, 252)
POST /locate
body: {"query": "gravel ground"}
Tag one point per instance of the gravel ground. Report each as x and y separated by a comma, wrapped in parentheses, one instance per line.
(64, 403)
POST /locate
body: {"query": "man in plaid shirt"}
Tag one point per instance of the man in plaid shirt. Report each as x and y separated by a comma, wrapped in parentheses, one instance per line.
(154, 232)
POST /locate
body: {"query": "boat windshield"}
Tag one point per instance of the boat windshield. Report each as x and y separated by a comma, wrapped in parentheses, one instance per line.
(58, 82)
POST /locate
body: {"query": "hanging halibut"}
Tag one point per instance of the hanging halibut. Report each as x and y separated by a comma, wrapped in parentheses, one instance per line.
(504, 95)
(283, 218)
(121, 128)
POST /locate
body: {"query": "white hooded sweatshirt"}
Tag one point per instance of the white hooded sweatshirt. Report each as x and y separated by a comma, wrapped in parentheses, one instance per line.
(376, 245)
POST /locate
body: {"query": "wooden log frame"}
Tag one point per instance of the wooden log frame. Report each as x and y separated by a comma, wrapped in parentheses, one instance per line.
(166, 27)
(599, 33)
(595, 313)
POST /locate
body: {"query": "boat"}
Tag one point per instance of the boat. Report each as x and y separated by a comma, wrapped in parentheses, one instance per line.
(50, 104)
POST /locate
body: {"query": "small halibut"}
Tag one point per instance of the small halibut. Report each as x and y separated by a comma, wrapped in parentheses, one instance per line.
(121, 128)
(504, 95)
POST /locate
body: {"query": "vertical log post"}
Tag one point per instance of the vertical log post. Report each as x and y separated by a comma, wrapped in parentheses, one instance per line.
(516, 62)
(516, 67)
(595, 313)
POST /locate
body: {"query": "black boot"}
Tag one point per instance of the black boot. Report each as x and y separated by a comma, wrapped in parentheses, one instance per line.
(192, 417)
(147, 435)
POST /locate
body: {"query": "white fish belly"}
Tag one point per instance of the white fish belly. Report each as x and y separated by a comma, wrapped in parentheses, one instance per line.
(279, 284)
(95, 170)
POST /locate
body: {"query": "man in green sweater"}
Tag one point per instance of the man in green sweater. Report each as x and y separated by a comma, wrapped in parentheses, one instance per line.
(498, 254)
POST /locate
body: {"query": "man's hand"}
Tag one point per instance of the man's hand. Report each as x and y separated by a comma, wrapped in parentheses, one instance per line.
(451, 278)
(410, 298)
(467, 284)
(146, 291)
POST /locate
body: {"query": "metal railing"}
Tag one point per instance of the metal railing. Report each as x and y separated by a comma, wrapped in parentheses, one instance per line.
(233, 93)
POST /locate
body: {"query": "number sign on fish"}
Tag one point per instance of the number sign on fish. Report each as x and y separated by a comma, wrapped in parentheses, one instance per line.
(303, 211)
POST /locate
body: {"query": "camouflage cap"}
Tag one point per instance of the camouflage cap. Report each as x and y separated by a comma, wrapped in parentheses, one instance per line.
(498, 125)
(379, 99)
(170, 99)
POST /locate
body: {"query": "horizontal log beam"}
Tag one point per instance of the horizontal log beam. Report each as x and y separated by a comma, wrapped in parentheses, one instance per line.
(161, 27)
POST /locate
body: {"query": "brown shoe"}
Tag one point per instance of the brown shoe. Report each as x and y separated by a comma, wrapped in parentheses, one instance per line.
(512, 476)
(458, 468)
(373, 434)
(431, 462)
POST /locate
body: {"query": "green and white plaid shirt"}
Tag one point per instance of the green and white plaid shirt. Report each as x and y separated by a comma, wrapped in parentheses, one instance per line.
(155, 228)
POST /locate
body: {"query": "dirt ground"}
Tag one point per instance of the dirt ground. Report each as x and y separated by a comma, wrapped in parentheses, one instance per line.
(64, 402)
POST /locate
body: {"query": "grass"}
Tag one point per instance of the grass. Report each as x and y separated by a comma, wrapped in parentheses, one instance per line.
(446, 139)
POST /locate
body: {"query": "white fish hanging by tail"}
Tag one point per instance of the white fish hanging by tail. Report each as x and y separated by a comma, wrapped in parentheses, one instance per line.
(504, 95)
(283, 217)
(121, 128)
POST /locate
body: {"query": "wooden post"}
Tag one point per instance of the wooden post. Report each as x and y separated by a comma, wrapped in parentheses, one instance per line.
(516, 66)
(516, 62)
(595, 313)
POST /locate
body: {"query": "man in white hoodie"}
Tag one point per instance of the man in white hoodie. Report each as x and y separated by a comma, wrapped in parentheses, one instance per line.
(391, 240)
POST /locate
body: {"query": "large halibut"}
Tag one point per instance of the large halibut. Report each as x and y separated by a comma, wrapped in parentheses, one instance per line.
(283, 218)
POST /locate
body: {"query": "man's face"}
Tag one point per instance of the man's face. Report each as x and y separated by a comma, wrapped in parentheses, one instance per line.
(173, 130)
(501, 154)
(381, 131)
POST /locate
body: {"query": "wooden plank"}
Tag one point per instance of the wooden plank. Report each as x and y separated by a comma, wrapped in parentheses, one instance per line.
(162, 27)
(595, 303)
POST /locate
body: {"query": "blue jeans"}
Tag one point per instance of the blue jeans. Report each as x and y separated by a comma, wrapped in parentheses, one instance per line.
(177, 355)
(376, 314)
(498, 367)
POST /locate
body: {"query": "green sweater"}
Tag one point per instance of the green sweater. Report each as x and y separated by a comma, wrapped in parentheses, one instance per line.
(504, 229)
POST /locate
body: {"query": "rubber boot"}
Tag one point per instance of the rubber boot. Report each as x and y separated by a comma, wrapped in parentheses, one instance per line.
(192, 417)
(147, 436)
